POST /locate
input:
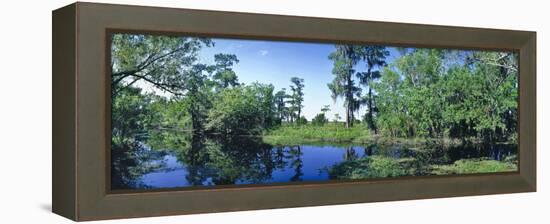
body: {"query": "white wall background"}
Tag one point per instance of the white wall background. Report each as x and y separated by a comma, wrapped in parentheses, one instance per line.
(25, 111)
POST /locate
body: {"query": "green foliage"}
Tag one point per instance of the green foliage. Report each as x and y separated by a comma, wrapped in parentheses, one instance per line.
(301, 121)
(344, 58)
(383, 166)
(424, 93)
(131, 115)
(242, 110)
(198, 96)
(319, 119)
(392, 115)
(164, 98)
(330, 132)
(337, 117)
(375, 57)
(429, 93)
(371, 167)
(171, 114)
(157, 60)
(282, 112)
(296, 98)
(325, 109)
(478, 165)
(225, 76)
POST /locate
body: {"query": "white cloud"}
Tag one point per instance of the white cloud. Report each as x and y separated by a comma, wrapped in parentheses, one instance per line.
(263, 52)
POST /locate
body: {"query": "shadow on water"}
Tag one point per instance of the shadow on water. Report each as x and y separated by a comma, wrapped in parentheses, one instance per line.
(179, 161)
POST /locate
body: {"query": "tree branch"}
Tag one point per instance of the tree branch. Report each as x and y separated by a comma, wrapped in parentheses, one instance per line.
(162, 86)
(513, 68)
(147, 62)
(495, 62)
(116, 91)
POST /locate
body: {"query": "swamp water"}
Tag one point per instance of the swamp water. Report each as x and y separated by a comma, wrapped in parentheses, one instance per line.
(208, 162)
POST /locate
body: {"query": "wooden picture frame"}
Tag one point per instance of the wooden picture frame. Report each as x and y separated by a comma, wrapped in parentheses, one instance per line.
(81, 116)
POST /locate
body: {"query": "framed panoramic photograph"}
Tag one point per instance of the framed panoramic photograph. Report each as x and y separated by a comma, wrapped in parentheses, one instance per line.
(202, 111)
(199, 111)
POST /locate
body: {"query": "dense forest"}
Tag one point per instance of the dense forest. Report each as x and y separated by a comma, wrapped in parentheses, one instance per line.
(424, 93)
(457, 95)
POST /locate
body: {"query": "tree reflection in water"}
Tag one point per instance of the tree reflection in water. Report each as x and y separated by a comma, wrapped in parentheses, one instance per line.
(130, 161)
(214, 160)
(295, 158)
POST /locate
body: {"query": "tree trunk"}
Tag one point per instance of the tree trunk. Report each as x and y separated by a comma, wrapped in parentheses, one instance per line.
(370, 114)
(349, 96)
(347, 117)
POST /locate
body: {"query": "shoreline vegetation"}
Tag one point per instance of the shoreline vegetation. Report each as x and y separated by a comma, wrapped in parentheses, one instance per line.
(383, 166)
(335, 132)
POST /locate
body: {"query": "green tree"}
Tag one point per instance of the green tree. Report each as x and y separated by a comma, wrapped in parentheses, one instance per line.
(392, 117)
(337, 117)
(131, 116)
(264, 95)
(301, 120)
(225, 76)
(435, 93)
(280, 99)
(482, 97)
(198, 95)
(157, 60)
(345, 57)
(375, 57)
(325, 109)
(422, 70)
(297, 97)
(242, 110)
(167, 64)
(235, 112)
(321, 118)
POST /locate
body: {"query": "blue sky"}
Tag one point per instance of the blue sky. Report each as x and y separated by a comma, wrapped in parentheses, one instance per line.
(276, 62)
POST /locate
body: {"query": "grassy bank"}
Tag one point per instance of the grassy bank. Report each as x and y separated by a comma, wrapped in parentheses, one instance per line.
(382, 166)
(311, 133)
(372, 167)
(480, 165)
(337, 133)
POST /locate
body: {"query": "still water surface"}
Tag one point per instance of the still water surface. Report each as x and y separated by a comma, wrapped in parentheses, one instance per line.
(251, 161)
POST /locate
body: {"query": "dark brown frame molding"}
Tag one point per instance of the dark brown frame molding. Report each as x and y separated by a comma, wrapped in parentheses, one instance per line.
(81, 113)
